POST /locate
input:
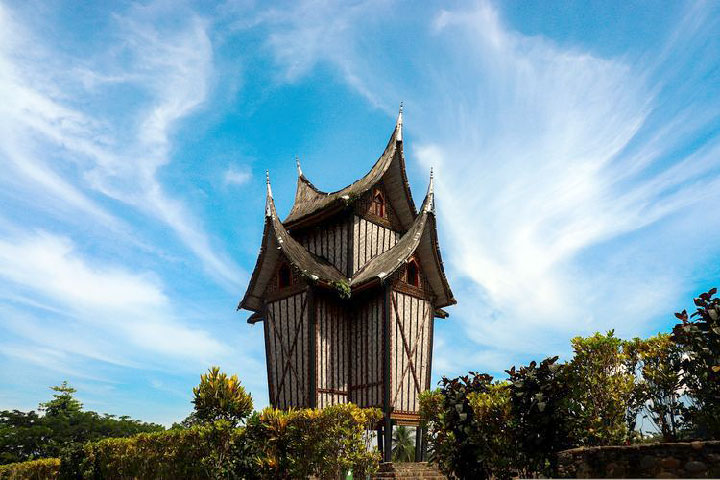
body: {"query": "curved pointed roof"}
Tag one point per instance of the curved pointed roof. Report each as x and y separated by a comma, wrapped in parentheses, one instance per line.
(277, 240)
(421, 238)
(312, 203)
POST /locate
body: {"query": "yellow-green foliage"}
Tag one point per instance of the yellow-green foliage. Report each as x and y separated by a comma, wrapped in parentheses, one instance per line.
(493, 416)
(658, 363)
(220, 397)
(273, 444)
(325, 443)
(601, 388)
(43, 469)
(201, 452)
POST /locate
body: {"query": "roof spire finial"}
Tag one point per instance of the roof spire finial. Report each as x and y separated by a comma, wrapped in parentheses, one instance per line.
(398, 125)
(269, 198)
(430, 197)
(297, 162)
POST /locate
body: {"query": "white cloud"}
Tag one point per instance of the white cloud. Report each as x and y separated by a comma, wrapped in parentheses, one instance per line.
(123, 310)
(237, 175)
(102, 140)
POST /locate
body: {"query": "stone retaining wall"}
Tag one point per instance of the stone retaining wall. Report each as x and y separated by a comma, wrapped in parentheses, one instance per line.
(408, 471)
(657, 460)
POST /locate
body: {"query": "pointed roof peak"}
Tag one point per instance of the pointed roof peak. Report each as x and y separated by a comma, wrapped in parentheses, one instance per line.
(297, 163)
(269, 202)
(399, 124)
(429, 203)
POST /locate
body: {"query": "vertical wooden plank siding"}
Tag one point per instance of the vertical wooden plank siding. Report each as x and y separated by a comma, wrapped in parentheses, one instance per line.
(366, 347)
(286, 333)
(369, 241)
(411, 321)
(330, 242)
(333, 344)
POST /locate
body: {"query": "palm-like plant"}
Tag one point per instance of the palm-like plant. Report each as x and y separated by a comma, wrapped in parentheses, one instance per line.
(403, 444)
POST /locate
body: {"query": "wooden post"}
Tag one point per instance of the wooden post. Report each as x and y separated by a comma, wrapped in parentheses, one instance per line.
(418, 444)
(387, 444)
(312, 361)
(380, 440)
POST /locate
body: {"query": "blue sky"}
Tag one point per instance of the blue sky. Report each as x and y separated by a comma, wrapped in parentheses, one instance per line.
(576, 147)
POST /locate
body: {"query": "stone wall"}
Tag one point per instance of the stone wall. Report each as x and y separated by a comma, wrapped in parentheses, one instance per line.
(408, 471)
(658, 460)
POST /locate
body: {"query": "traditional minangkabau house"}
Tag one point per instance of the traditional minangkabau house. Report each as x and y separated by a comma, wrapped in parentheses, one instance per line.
(347, 288)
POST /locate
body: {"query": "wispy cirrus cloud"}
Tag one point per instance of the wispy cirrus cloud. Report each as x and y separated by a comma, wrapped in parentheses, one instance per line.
(109, 119)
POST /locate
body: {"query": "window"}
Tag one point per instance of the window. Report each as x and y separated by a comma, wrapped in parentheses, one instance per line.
(378, 204)
(284, 276)
(413, 273)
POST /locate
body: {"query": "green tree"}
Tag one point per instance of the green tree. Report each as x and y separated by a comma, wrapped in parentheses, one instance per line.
(601, 389)
(27, 435)
(63, 403)
(403, 445)
(219, 397)
(657, 362)
(699, 337)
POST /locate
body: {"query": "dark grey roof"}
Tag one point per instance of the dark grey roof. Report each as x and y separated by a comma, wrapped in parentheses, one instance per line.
(276, 240)
(420, 238)
(310, 202)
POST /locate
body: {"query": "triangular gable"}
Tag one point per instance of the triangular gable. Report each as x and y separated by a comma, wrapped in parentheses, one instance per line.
(420, 240)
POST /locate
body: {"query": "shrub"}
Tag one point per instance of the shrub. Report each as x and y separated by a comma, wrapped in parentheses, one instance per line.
(601, 388)
(43, 469)
(212, 451)
(539, 407)
(699, 337)
(657, 363)
(494, 429)
(219, 397)
(325, 443)
(459, 447)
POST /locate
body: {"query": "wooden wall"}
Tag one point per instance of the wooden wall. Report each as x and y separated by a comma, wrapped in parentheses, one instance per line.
(410, 321)
(366, 344)
(333, 353)
(287, 349)
(370, 240)
(330, 242)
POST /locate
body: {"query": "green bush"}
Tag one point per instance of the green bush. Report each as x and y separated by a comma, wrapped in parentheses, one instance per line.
(221, 397)
(601, 389)
(311, 442)
(541, 414)
(461, 448)
(699, 337)
(43, 469)
(211, 451)
(656, 362)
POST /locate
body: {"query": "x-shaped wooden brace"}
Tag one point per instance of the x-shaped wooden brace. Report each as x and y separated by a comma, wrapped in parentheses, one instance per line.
(286, 353)
(410, 355)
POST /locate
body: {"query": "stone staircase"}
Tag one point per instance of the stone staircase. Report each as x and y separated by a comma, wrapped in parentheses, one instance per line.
(408, 470)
